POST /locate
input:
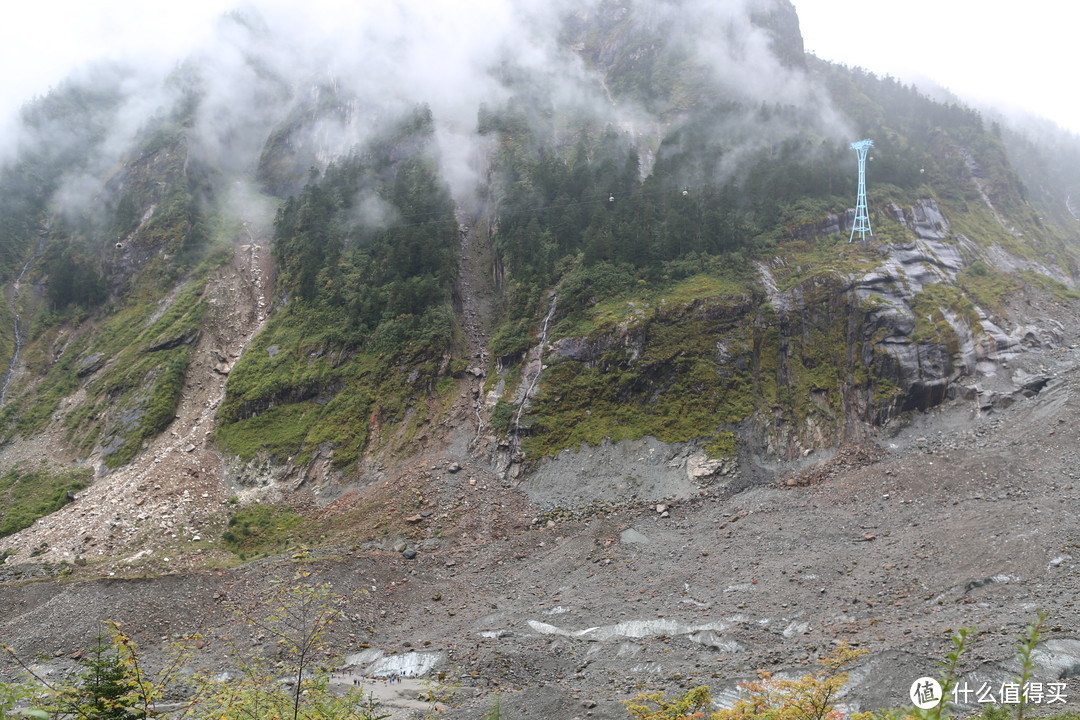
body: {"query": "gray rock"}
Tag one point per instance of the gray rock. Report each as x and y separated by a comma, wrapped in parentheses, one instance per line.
(175, 341)
(600, 473)
(90, 365)
(702, 467)
(1059, 656)
(924, 218)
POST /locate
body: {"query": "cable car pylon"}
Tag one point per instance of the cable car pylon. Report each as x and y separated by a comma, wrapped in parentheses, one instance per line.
(861, 224)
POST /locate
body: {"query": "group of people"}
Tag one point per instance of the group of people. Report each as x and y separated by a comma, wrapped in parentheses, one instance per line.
(387, 679)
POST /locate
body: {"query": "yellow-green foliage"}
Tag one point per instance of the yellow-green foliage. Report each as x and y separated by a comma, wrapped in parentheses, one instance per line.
(118, 682)
(694, 705)
(694, 358)
(1023, 233)
(813, 696)
(511, 338)
(146, 360)
(974, 220)
(1060, 291)
(828, 257)
(723, 445)
(32, 411)
(810, 697)
(134, 364)
(806, 211)
(280, 430)
(888, 230)
(818, 360)
(14, 699)
(643, 302)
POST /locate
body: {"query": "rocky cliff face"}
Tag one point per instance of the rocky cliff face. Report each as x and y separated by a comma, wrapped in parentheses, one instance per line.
(782, 22)
(822, 351)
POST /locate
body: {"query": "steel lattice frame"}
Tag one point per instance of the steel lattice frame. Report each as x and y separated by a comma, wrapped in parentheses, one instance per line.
(862, 217)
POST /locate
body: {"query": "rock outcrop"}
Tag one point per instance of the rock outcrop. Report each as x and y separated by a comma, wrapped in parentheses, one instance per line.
(832, 353)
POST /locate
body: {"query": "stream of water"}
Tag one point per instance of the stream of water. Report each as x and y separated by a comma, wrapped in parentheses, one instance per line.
(16, 319)
(539, 365)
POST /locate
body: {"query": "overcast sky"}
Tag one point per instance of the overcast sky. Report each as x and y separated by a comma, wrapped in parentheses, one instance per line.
(1024, 54)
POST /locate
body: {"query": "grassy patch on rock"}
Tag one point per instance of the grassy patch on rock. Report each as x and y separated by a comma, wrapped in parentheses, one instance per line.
(932, 324)
(143, 363)
(831, 256)
(302, 385)
(262, 529)
(1060, 291)
(691, 374)
(986, 285)
(26, 495)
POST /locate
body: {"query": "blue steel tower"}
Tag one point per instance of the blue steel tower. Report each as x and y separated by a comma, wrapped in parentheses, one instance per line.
(862, 218)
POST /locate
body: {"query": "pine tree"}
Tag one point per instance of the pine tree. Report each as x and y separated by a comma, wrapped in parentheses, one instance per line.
(104, 690)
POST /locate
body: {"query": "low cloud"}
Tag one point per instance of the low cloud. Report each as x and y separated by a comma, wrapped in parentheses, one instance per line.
(261, 66)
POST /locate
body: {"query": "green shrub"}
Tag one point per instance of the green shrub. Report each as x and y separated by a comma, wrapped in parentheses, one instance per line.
(262, 529)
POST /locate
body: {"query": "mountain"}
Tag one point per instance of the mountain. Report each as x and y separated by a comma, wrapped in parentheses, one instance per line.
(563, 308)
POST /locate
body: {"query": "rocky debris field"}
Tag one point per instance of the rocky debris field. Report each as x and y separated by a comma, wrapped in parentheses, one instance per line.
(961, 518)
(564, 600)
(167, 504)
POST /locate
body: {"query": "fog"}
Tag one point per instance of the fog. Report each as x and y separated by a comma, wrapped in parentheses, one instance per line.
(350, 69)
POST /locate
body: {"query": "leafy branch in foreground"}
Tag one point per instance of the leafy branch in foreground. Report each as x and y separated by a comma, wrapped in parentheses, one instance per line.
(14, 696)
(115, 684)
(300, 617)
(810, 697)
(814, 696)
(1025, 651)
(950, 673)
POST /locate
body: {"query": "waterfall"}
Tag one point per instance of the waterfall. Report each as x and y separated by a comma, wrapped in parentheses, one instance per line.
(539, 365)
(16, 320)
